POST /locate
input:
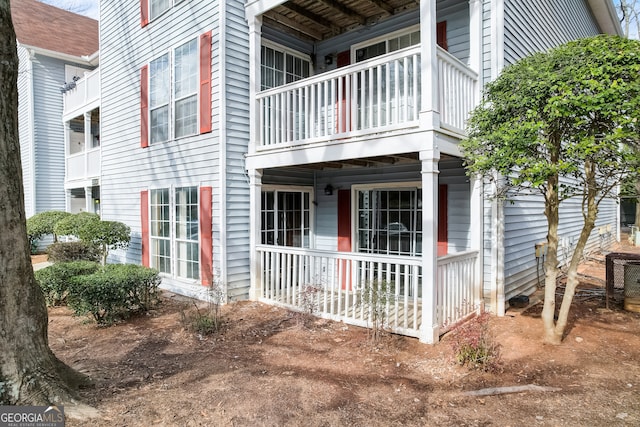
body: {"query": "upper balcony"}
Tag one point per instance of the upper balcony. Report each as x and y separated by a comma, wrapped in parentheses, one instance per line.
(339, 80)
(82, 159)
(374, 96)
(84, 97)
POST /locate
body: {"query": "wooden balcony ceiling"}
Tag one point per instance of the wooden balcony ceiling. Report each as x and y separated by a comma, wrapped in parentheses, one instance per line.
(317, 20)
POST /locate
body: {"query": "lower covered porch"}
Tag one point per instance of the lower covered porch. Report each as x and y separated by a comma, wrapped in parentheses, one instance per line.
(393, 242)
(363, 289)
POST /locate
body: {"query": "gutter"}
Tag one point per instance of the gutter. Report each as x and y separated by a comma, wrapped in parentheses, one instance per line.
(59, 55)
(606, 16)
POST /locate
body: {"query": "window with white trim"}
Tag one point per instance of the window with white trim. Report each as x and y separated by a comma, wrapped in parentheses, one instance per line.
(173, 96)
(389, 221)
(157, 7)
(386, 44)
(286, 218)
(279, 66)
(174, 232)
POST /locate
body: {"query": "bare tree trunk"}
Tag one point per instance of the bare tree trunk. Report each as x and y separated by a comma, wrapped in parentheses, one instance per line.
(29, 372)
(637, 220)
(588, 226)
(551, 263)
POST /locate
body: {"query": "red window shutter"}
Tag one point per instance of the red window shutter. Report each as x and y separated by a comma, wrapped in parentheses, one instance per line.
(344, 220)
(343, 59)
(344, 235)
(441, 35)
(144, 106)
(144, 12)
(443, 225)
(144, 223)
(206, 237)
(205, 82)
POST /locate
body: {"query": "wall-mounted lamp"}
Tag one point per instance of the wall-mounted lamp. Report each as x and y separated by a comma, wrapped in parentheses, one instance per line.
(328, 190)
(328, 59)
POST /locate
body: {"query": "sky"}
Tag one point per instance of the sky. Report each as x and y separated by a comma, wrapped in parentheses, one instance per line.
(90, 8)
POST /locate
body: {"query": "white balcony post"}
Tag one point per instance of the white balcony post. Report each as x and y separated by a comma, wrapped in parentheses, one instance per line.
(255, 51)
(475, 37)
(429, 330)
(477, 233)
(430, 114)
(67, 148)
(87, 142)
(255, 201)
(88, 200)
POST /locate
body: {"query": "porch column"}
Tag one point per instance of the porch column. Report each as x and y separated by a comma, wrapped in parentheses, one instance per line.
(255, 200)
(430, 104)
(497, 254)
(475, 39)
(67, 200)
(88, 200)
(255, 43)
(477, 238)
(429, 330)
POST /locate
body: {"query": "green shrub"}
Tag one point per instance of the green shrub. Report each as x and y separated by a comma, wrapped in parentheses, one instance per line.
(43, 223)
(73, 251)
(106, 234)
(54, 280)
(114, 292)
(72, 224)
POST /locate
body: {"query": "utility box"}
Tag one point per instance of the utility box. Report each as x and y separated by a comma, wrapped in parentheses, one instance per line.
(632, 287)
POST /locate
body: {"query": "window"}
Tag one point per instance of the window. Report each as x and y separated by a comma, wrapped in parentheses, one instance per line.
(390, 221)
(186, 89)
(390, 43)
(286, 218)
(174, 232)
(176, 92)
(151, 9)
(159, 98)
(157, 7)
(280, 66)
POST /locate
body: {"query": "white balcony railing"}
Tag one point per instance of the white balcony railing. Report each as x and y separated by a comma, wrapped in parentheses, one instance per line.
(84, 165)
(334, 285)
(87, 91)
(378, 95)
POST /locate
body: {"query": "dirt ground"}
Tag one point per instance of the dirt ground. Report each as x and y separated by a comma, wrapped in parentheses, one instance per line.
(272, 367)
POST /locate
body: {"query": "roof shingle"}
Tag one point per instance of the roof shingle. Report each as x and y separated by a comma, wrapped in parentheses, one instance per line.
(48, 27)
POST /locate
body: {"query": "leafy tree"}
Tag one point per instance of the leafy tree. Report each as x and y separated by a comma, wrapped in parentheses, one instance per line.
(564, 124)
(72, 224)
(29, 371)
(43, 223)
(107, 235)
(90, 229)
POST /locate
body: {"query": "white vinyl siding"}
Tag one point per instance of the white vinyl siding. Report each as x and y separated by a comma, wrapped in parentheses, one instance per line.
(196, 160)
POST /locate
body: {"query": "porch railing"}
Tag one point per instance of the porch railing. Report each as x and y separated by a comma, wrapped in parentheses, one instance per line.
(83, 165)
(87, 90)
(458, 291)
(349, 286)
(382, 94)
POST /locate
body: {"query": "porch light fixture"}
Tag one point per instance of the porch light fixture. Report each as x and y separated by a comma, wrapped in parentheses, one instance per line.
(328, 59)
(328, 190)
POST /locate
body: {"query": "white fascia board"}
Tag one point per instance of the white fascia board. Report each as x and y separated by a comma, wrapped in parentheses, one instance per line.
(258, 7)
(605, 13)
(58, 55)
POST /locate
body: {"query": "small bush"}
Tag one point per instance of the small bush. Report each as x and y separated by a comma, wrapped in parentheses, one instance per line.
(54, 280)
(210, 320)
(43, 223)
(114, 292)
(72, 224)
(474, 346)
(73, 251)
